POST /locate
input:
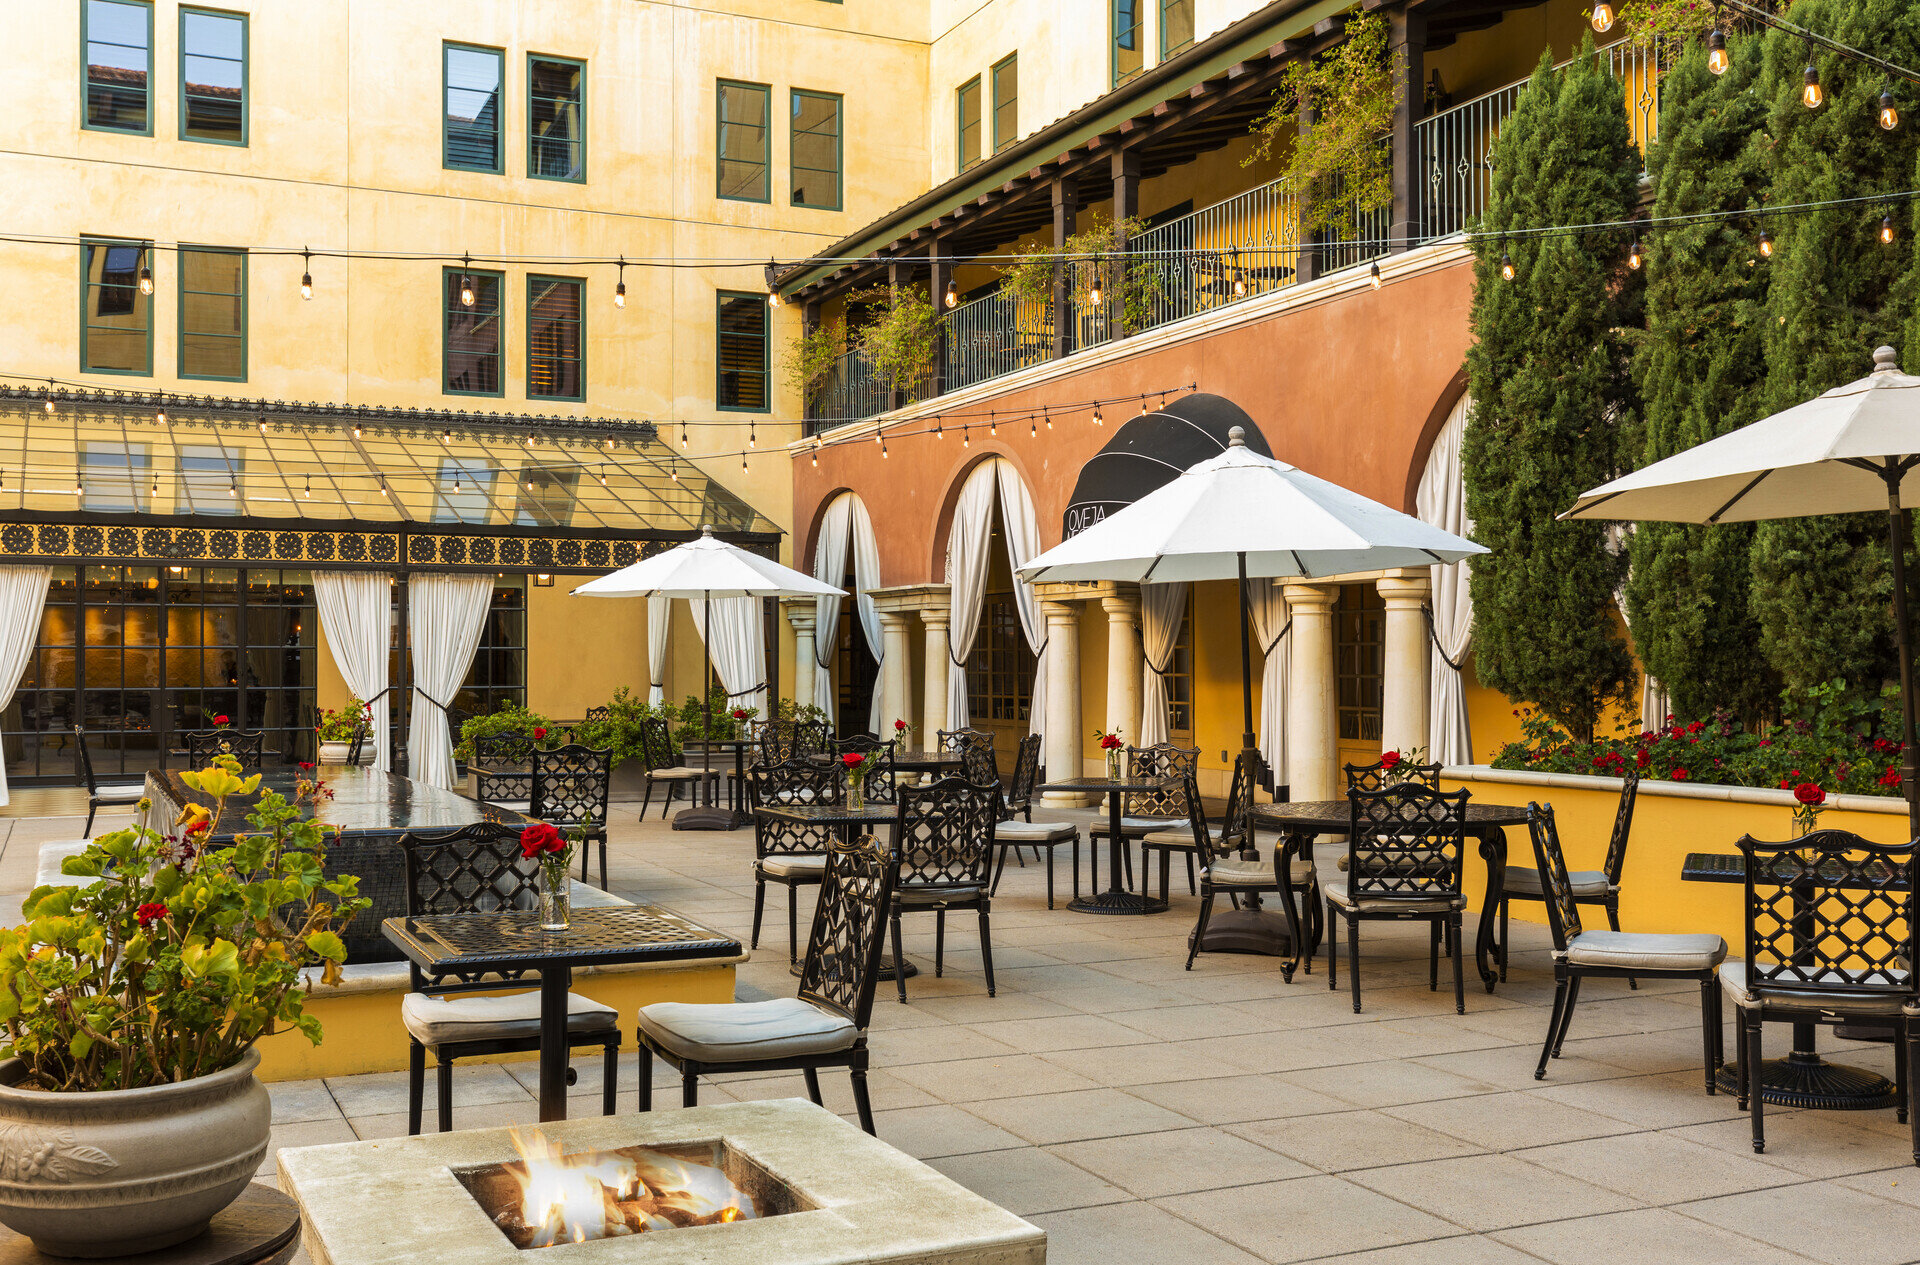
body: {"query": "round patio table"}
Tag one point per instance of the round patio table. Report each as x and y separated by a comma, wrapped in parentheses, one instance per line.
(1116, 899)
(1486, 823)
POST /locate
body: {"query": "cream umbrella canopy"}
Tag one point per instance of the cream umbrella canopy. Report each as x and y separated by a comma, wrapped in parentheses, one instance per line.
(1852, 450)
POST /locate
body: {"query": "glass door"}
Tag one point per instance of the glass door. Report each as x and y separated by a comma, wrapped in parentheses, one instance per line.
(121, 690)
(204, 640)
(279, 665)
(36, 729)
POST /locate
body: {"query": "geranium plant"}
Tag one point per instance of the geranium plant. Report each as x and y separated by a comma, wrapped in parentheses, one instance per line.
(177, 955)
(338, 724)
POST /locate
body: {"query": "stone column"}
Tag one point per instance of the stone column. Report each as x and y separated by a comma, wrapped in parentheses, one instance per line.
(933, 702)
(1062, 752)
(801, 613)
(1123, 662)
(1403, 704)
(896, 667)
(1312, 762)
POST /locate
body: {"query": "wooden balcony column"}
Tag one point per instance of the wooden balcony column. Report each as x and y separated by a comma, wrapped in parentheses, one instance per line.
(1126, 205)
(940, 276)
(1306, 262)
(1408, 41)
(1065, 202)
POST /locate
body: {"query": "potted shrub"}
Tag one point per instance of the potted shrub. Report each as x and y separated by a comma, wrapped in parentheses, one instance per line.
(620, 731)
(336, 729)
(129, 1009)
(510, 718)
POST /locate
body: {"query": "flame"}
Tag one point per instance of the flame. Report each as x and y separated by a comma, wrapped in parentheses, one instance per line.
(605, 1194)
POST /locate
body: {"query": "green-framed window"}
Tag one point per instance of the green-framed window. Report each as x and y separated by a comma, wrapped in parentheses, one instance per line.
(1176, 26)
(816, 149)
(556, 338)
(213, 76)
(966, 116)
(473, 80)
(471, 345)
(745, 111)
(116, 319)
(116, 50)
(556, 118)
(741, 353)
(1006, 102)
(1129, 41)
(213, 313)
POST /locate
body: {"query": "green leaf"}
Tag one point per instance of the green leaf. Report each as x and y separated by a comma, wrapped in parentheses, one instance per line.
(328, 945)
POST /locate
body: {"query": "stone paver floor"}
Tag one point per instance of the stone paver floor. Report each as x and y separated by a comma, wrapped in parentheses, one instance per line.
(1140, 1112)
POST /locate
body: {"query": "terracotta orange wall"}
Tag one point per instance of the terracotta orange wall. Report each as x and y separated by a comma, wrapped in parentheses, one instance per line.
(1351, 389)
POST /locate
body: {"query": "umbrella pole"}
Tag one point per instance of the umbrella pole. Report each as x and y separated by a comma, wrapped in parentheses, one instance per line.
(1903, 637)
(1246, 663)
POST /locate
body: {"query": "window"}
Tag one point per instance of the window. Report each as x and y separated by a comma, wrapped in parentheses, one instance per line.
(463, 490)
(470, 139)
(1179, 674)
(471, 352)
(742, 353)
(745, 164)
(210, 479)
(115, 476)
(1128, 58)
(498, 673)
(1000, 669)
(554, 315)
(816, 150)
(1006, 102)
(116, 319)
(556, 118)
(1176, 26)
(118, 37)
(967, 116)
(213, 77)
(1359, 661)
(213, 314)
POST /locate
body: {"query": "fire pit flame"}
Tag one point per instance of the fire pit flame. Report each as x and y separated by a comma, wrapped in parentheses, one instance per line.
(605, 1194)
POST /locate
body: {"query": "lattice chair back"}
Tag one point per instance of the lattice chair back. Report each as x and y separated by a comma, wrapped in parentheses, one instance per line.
(1831, 912)
(656, 744)
(571, 785)
(1026, 775)
(794, 782)
(1235, 826)
(883, 779)
(505, 752)
(205, 744)
(1405, 842)
(476, 869)
(783, 740)
(1203, 844)
(1622, 827)
(981, 765)
(849, 927)
(1163, 760)
(961, 739)
(1375, 777)
(87, 778)
(359, 743)
(597, 713)
(1563, 911)
(943, 834)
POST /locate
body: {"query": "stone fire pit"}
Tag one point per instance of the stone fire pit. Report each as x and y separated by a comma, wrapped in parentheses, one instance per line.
(837, 1196)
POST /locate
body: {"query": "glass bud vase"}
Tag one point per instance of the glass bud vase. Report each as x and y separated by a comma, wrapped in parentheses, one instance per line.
(556, 896)
(856, 793)
(1114, 770)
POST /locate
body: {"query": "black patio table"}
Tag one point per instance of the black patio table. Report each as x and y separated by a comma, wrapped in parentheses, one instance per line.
(1802, 1078)
(712, 817)
(1301, 821)
(1116, 899)
(847, 819)
(480, 944)
(912, 761)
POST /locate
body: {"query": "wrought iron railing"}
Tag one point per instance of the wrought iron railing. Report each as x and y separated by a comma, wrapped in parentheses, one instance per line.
(1232, 250)
(852, 390)
(993, 336)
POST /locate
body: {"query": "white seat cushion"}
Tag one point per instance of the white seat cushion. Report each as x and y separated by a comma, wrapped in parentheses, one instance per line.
(1180, 836)
(1733, 979)
(513, 805)
(47, 873)
(742, 1032)
(1524, 880)
(795, 865)
(681, 773)
(1639, 950)
(493, 1016)
(1034, 831)
(1336, 891)
(118, 794)
(1137, 826)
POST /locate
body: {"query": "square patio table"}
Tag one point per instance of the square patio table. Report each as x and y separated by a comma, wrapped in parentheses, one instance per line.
(712, 817)
(1116, 899)
(505, 943)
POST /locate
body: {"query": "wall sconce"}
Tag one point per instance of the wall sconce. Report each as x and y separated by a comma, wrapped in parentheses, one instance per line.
(542, 580)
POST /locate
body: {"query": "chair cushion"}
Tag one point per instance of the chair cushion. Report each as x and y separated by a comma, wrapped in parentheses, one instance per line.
(1179, 837)
(795, 865)
(928, 897)
(1733, 979)
(118, 794)
(1336, 891)
(681, 773)
(742, 1032)
(493, 1016)
(1034, 831)
(1646, 950)
(1524, 880)
(514, 805)
(1239, 871)
(1134, 827)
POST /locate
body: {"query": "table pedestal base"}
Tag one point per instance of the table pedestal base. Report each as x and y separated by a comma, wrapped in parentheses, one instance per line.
(1116, 901)
(708, 819)
(1246, 931)
(1806, 1080)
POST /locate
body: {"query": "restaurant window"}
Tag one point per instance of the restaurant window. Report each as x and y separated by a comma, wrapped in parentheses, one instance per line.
(556, 118)
(498, 673)
(118, 38)
(213, 77)
(1006, 102)
(816, 150)
(1179, 675)
(967, 115)
(1000, 669)
(745, 158)
(210, 479)
(1360, 661)
(213, 314)
(116, 319)
(463, 490)
(741, 353)
(471, 335)
(1176, 26)
(555, 316)
(1128, 43)
(471, 130)
(115, 476)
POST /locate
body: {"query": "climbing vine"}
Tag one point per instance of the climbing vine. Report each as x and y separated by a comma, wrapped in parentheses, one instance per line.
(900, 338)
(811, 357)
(1331, 116)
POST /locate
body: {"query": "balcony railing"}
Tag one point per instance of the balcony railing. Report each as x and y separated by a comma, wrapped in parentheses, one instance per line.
(993, 336)
(852, 391)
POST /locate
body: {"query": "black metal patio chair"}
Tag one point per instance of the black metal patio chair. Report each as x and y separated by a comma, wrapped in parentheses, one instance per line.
(502, 769)
(1590, 887)
(571, 785)
(247, 746)
(942, 842)
(1404, 846)
(101, 794)
(790, 853)
(1011, 833)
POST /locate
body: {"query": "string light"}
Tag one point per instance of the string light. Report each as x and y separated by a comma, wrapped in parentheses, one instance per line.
(883, 448)
(1506, 266)
(673, 468)
(1766, 243)
(466, 282)
(773, 298)
(306, 274)
(1811, 94)
(683, 435)
(233, 486)
(1098, 420)
(603, 476)
(743, 463)
(309, 489)
(953, 295)
(160, 414)
(620, 286)
(49, 395)
(1717, 59)
(356, 430)
(1033, 428)
(1889, 113)
(1373, 275)
(966, 440)
(1886, 230)
(1633, 255)
(751, 441)
(815, 454)
(79, 488)
(1602, 17)
(146, 274)
(1239, 280)
(1093, 291)
(1046, 417)
(993, 424)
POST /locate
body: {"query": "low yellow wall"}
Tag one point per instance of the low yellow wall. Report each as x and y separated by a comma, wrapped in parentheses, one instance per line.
(361, 1030)
(1670, 819)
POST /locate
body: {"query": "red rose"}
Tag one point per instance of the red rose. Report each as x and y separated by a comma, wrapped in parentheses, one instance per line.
(1679, 775)
(739, 713)
(1389, 761)
(1891, 777)
(899, 726)
(852, 759)
(1641, 759)
(1766, 742)
(149, 914)
(539, 732)
(540, 838)
(1110, 742)
(1809, 793)
(306, 764)
(1696, 726)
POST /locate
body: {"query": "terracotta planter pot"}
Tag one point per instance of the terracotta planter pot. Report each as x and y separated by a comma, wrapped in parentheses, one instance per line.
(123, 1171)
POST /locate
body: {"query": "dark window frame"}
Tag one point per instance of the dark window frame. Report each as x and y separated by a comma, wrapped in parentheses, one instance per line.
(246, 75)
(87, 288)
(1115, 35)
(839, 147)
(499, 55)
(1166, 49)
(449, 278)
(579, 285)
(720, 126)
(961, 162)
(86, 123)
(1011, 62)
(532, 140)
(721, 299)
(180, 326)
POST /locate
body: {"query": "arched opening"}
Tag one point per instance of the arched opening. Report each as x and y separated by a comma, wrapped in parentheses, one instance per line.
(1000, 669)
(856, 673)
(997, 634)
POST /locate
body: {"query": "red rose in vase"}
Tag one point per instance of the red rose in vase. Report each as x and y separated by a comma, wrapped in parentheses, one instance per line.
(1810, 794)
(540, 839)
(852, 759)
(539, 733)
(221, 722)
(739, 713)
(1389, 761)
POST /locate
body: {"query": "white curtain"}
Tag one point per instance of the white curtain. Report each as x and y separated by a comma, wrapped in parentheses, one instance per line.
(355, 613)
(23, 594)
(445, 613)
(659, 619)
(845, 524)
(967, 581)
(738, 647)
(1267, 603)
(1023, 544)
(1161, 606)
(1442, 501)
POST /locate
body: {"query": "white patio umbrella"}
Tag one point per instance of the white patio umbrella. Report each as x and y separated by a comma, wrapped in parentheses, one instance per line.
(700, 571)
(1241, 514)
(1853, 450)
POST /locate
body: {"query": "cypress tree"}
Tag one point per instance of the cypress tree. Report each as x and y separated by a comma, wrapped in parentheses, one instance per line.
(1552, 394)
(1822, 589)
(1701, 372)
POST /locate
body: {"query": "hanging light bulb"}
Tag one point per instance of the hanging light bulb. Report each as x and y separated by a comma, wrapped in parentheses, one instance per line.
(79, 487)
(1373, 275)
(752, 441)
(1239, 281)
(966, 439)
(1097, 419)
(883, 448)
(1506, 266)
(446, 435)
(1811, 94)
(309, 489)
(1602, 17)
(306, 274)
(993, 424)
(356, 430)
(673, 468)
(1889, 113)
(146, 275)
(620, 286)
(1766, 243)
(953, 295)
(233, 486)
(603, 476)
(773, 298)
(1633, 255)
(1033, 428)
(466, 283)
(938, 433)
(49, 395)
(529, 485)
(683, 435)
(609, 443)
(815, 455)
(1093, 291)
(1046, 417)
(383, 485)
(1886, 230)
(160, 414)
(743, 463)
(1717, 58)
